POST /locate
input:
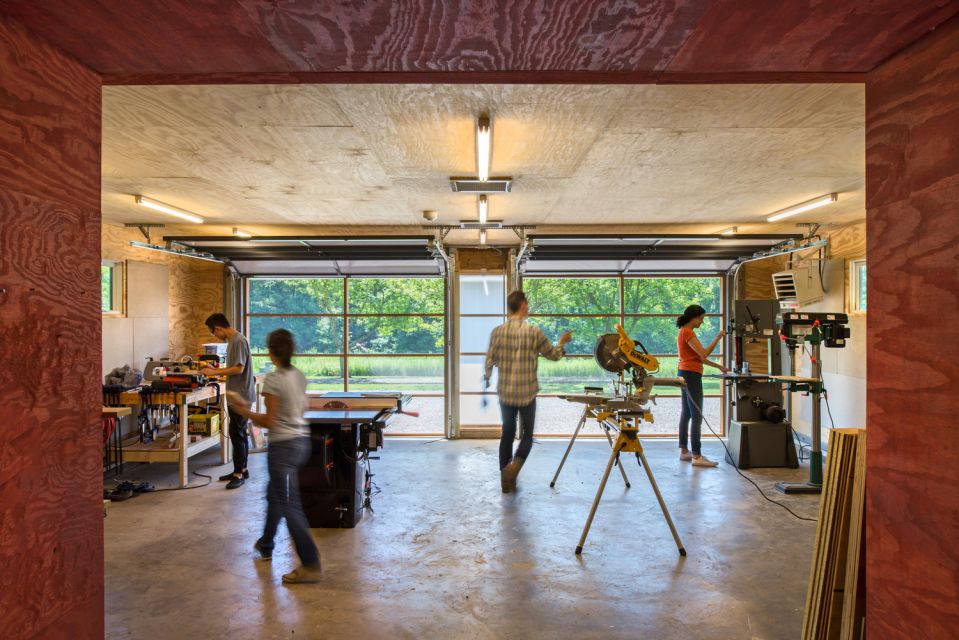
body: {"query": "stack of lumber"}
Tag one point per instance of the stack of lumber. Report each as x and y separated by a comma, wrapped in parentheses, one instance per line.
(835, 599)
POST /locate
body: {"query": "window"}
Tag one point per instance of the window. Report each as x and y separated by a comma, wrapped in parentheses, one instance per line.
(647, 308)
(358, 334)
(857, 286)
(111, 287)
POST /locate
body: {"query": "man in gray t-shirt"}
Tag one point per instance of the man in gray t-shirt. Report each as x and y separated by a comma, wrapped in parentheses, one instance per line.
(240, 380)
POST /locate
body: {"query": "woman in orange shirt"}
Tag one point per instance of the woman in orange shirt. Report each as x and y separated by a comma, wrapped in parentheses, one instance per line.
(692, 357)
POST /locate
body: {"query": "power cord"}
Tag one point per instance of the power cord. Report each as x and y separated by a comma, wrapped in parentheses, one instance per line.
(209, 479)
(747, 478)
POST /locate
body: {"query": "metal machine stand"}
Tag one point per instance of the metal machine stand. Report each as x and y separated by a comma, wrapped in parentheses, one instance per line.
(815, 455)
(588, 412)
(628, 440)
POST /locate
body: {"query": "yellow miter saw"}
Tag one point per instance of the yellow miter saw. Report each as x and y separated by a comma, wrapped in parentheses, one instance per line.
(617, 353)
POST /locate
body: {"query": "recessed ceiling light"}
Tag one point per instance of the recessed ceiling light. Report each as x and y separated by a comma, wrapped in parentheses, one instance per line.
(815, 203)
(156, 205)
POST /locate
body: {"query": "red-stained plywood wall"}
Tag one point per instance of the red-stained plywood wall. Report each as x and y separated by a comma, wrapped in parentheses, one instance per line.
(912, 192)
(51, 527)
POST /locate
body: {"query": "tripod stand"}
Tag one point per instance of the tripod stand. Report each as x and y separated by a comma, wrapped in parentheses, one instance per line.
(628, 441)
(590, 412)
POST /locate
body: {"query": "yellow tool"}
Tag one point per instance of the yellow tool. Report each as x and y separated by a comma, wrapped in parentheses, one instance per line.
(627, 346)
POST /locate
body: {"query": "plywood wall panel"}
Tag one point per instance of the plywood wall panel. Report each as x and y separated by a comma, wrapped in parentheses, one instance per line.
(51, 515)
(195, 291)
(912, 512)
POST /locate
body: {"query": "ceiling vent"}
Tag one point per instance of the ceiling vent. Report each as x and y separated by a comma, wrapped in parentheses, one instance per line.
(472, 185)
(797, 287)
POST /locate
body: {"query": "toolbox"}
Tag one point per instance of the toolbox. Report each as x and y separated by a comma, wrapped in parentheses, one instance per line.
(204, 424)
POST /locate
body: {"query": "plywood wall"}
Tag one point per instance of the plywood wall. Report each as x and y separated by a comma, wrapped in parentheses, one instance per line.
(196, 286)
(912, 176)
(51, 514)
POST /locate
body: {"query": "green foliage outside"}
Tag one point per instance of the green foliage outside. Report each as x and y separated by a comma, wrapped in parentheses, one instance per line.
(106, 288)
(668, 296)
(424, 333)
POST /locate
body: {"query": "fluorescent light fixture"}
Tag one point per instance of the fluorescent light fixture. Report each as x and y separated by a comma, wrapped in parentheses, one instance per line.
(482, 236)
(729, 232)
(240, 233)
(815, 203)
(483, 140)
(209, 257)
(483, 208)
(168, 209)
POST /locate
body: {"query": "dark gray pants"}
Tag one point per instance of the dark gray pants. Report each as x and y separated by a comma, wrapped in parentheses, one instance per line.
(527, 416)
(284, 459)
(692, 400)
(238, 438)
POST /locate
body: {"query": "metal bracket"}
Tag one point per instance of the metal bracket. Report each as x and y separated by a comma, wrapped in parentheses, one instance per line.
(144, 228)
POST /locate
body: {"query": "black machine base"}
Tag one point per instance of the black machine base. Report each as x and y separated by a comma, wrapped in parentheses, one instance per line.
(761, 444)
(333, 481)
(798, 487)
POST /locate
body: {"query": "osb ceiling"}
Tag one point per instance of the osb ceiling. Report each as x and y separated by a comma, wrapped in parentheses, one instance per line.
(380, 154)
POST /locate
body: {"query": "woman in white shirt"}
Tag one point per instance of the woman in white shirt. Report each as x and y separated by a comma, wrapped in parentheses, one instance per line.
(284, 391)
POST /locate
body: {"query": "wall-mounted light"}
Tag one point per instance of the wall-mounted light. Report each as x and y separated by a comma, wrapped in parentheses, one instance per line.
(168, 209)
(482, 236)
(729, 232)
(483, 142)
(815, 203)
(483, 209)
(240, 233)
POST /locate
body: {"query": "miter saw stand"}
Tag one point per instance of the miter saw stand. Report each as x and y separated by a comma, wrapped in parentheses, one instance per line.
(617, 353)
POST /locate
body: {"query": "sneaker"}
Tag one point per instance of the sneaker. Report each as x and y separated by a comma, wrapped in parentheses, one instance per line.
(302, 575)
(504, 480)
(235, 483)
(703, 461)
(685, 457)
(230, 476)
(264, 554)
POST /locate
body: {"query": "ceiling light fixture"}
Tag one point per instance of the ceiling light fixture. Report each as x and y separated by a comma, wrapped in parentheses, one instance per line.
(729, 232)
(483, 208)
(482, 236)
(168, 209)
(815, 203)
(240, 233)
(483, 140)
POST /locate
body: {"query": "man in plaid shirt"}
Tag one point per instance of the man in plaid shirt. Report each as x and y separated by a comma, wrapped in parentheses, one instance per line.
(515, 347)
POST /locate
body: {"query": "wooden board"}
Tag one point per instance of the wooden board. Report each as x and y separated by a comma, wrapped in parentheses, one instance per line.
(716, 39)
(912, 519)
(51, 510)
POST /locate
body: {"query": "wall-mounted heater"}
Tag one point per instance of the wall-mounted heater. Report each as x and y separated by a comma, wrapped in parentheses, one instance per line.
(798, 287)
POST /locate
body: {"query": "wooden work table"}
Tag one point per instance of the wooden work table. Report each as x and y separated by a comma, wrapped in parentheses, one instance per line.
(160, 451)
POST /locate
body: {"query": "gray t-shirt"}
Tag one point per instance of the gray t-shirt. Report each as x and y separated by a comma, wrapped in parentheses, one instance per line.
(289, 387)
(238, 353)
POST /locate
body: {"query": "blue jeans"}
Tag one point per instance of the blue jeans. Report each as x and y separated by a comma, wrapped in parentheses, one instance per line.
(692, 398)
(527, 416)
(284, 459)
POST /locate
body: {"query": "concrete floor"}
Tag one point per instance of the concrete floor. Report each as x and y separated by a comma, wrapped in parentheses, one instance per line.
(446, 555)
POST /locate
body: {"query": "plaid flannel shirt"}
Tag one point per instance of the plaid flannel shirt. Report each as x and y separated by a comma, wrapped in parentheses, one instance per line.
(514, 348)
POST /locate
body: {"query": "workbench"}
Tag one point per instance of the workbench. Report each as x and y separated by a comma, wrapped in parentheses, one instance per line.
(159, 450)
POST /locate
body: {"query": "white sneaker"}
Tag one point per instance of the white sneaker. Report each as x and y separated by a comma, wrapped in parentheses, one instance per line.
(685, 457)
(703, 461)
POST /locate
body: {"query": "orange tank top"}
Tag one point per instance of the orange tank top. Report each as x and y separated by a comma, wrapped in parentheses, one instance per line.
(689, 360)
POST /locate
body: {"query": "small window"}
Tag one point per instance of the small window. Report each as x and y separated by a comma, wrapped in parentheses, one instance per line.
(111, 287)
(857, 286)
